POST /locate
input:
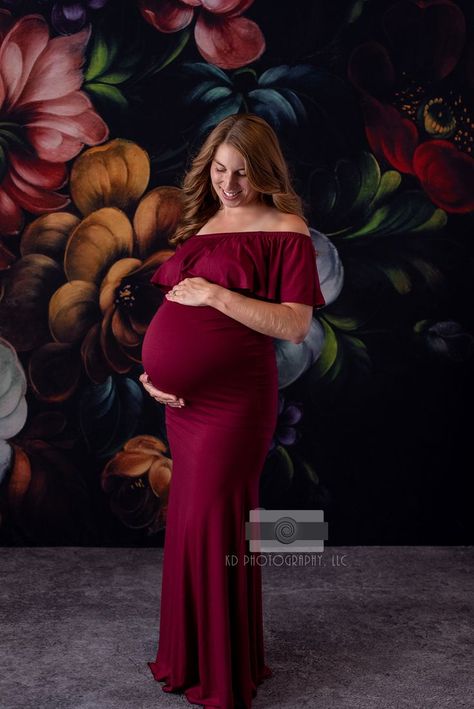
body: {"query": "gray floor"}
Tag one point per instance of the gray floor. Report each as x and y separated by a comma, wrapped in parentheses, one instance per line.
(392, 628)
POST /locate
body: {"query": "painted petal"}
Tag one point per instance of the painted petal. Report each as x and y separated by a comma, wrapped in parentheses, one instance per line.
(41, 173)
(370, 69)
(128, 464)
(9, 363)
(166, 15)
(6, 23)
(61, 359)
(156, 218)
(96, 243)
(287, 435)
(159, 476)
(93, 359)
(13, 422)
(113, 174)
(293, 360)
(390, 135)
(15, 391)
(291, 415)
(428, 36)
(70, 105)
(122, 333)
(229, 7)
(228, 43)
(68, 18)
(58, 70)
(27, 288)
(145, 442)
(119, 270)
(33, 199)
(86, 128)
(7, 257)
(446, 174)
(73, 309)
(20, 477)
(19, 52)
(52, 143)
(11, 216)
(6, 457)
(48, 235)
(113, 352)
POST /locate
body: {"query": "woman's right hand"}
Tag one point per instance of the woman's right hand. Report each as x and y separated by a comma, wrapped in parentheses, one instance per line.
(160, 396)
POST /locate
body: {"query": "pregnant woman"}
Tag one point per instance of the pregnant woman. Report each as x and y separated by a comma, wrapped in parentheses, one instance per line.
(244, 272)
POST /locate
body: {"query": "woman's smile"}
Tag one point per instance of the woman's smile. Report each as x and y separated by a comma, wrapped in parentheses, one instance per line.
(229, 178)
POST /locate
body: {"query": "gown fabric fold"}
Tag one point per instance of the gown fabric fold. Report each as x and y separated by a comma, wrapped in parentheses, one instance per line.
(211, 622)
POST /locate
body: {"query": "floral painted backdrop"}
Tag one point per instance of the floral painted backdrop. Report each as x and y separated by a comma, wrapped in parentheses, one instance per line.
(101, 106)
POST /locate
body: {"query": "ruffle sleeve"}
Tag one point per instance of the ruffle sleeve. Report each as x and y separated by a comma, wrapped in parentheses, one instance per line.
(275, 266)
(293, 274)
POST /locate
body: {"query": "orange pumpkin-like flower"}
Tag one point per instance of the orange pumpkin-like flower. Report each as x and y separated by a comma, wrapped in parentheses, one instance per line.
(138, 480)
(85, 283)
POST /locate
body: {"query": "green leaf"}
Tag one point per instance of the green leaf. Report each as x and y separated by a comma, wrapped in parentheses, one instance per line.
(330, 349)
(99, 60)
(437, 221)
(373, 225)
(117, 77)
(432, 275)
(310, 472)
(406, 212)
(399, 279)
(389, 183)
(183, 40)
(344, 322)
(109, 93)
(369, 172)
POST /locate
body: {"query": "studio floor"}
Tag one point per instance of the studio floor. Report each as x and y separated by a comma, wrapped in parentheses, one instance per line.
(358, 628)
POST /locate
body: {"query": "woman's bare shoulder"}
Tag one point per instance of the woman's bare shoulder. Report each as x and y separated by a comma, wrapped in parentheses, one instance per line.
(281, 221)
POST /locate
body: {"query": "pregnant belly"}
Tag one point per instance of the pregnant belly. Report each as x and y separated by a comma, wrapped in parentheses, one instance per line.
(190, 351)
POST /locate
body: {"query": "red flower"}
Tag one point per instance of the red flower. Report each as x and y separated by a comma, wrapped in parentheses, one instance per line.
(223, 37)
(45, 120)
(414, 117)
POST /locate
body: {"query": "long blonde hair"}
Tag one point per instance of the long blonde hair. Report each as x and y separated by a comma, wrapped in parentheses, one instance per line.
(266, 169)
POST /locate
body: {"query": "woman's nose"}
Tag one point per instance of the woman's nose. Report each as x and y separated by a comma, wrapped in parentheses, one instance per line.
(229, 185)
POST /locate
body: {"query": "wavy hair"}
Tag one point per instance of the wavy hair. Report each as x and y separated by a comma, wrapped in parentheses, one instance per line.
(265, 165)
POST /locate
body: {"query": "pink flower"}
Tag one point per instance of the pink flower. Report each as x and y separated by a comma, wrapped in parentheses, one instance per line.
(45, 120)
(223, 37)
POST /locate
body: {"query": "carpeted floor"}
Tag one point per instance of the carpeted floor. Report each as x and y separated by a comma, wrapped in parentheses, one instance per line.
(389, 629)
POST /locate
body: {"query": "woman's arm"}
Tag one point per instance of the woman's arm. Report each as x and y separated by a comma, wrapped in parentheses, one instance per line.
(286, 321)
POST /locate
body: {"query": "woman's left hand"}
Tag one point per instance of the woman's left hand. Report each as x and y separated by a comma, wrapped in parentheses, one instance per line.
(191, 291)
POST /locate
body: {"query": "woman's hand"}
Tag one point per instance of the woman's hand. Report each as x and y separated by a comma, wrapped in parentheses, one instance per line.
(160, 396)
(192, 291)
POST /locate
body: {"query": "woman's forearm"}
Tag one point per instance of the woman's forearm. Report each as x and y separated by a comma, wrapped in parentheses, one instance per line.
(273, 319)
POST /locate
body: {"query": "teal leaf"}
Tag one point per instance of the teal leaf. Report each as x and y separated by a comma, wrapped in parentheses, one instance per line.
(215, 93)
(273, 100)
(202, 71)
(226, 108)
(109, 414)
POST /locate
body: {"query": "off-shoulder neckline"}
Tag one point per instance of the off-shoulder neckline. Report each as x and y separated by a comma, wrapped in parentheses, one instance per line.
(256, 231)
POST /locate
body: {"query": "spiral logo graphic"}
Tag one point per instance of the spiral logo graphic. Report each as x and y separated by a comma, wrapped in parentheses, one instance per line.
(286, 530)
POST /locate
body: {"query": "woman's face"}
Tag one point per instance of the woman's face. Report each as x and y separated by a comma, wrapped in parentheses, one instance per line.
(229, 178)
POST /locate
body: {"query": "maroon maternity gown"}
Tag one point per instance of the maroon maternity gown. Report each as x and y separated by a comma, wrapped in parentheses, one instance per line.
(211, 631)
